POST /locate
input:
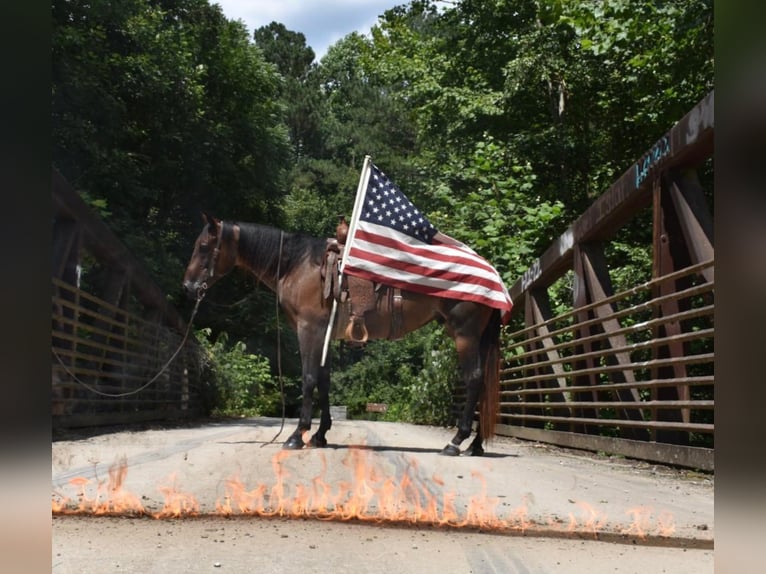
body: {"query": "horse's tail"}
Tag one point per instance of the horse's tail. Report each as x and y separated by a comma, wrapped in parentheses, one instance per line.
(490, 402)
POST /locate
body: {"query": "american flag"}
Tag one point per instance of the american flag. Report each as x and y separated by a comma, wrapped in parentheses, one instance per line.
(394, 243)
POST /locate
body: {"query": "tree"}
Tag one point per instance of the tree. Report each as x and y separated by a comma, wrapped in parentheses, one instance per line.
(299, 90)
(161, 109)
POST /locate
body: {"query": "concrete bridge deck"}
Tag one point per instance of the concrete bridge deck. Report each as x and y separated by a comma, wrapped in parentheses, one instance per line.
(524, 507)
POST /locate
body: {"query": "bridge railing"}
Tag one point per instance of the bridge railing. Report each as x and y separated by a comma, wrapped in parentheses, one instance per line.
(112, 334)
(628, 373)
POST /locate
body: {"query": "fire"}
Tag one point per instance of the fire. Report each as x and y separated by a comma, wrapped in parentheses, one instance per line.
(369, 493)
(177, 503)
(642, 523)
(592, 521)
(110, 498)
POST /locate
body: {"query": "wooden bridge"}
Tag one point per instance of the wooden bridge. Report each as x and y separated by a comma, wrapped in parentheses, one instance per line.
(630, 373)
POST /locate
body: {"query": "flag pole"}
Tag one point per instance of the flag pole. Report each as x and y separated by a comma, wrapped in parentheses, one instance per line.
(360, 191)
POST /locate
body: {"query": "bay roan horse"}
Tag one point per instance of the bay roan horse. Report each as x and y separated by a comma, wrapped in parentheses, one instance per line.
(291, 265)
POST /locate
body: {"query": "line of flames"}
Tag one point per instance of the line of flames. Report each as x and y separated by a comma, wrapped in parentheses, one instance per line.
(367, 496)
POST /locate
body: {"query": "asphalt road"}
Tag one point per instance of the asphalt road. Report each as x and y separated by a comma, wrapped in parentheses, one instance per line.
(523, 508)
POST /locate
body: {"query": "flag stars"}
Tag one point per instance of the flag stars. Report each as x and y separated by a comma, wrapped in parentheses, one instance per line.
(385, 204)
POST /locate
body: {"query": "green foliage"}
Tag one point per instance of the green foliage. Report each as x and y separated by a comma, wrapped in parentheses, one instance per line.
(503, 120)
(414, 376)
(428, 398)
(242, 383)
(489, 203)
(161, 109)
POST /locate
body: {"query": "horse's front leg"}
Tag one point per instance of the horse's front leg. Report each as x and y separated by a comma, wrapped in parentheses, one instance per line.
(325, 421)
(311, 349)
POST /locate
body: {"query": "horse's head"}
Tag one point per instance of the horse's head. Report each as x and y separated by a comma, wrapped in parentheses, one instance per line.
(213, 257)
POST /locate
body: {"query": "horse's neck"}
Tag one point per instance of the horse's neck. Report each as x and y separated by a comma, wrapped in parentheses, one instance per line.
(259, 251)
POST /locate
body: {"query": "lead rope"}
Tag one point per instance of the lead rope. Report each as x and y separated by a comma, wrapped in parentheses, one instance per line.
(279, 347)
(200, 296)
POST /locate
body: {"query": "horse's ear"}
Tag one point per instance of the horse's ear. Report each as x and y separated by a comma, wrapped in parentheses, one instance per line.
(211, 222)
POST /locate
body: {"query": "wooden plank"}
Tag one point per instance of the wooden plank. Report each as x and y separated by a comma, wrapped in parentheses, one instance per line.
(93, 358)
(693, 269)
(706, 311)
(577, 371)
(598, 422)
(685, 337)
(97, 301)
(691, 381)
(694, 404)
(376, 407)
(684, 456)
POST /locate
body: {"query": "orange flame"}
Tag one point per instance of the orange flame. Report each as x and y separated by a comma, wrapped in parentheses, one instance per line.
(642, 522)
(369, 494)
(110, 496)
(592, 521)
(177, 503)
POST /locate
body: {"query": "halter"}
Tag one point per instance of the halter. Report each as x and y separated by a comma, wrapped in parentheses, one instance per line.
(213, 261)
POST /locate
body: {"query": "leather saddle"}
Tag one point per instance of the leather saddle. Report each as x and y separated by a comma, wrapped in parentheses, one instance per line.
(359, 296)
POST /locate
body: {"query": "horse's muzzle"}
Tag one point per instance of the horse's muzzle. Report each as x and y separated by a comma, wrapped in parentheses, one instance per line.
(193, 289)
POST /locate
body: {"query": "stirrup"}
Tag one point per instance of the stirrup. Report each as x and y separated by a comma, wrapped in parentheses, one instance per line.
(356, 331)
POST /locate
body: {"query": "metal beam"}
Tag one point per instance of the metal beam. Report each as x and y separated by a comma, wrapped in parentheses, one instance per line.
(686, 456)
(686, 144)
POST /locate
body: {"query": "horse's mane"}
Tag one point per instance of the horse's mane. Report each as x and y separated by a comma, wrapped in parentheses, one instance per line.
(259, 245)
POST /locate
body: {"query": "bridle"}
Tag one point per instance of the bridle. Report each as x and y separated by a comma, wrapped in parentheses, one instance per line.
(210, 269)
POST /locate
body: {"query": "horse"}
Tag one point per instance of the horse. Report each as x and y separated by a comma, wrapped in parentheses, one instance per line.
(291, 265)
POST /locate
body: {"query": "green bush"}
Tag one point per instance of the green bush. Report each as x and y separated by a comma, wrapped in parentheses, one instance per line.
(413, 376)
(241, 383)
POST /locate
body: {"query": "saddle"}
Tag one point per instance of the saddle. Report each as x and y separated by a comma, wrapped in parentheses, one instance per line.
(359, 296)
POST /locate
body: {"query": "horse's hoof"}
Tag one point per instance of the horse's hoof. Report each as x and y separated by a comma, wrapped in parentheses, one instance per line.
(450, 450)
(317, 442)
(476, 451)
(293, 443)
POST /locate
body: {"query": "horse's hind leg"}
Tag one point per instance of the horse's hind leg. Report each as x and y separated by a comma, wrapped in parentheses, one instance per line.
(470, 366)
(476, 448)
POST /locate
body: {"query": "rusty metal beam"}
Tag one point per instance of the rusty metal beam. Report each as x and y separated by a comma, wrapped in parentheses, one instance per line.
(685, 456)
(694, 217)
(687, 143)
(98, 239)
(541, 312)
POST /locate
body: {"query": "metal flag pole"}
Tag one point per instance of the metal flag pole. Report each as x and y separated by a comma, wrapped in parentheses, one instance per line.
(360, 190)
